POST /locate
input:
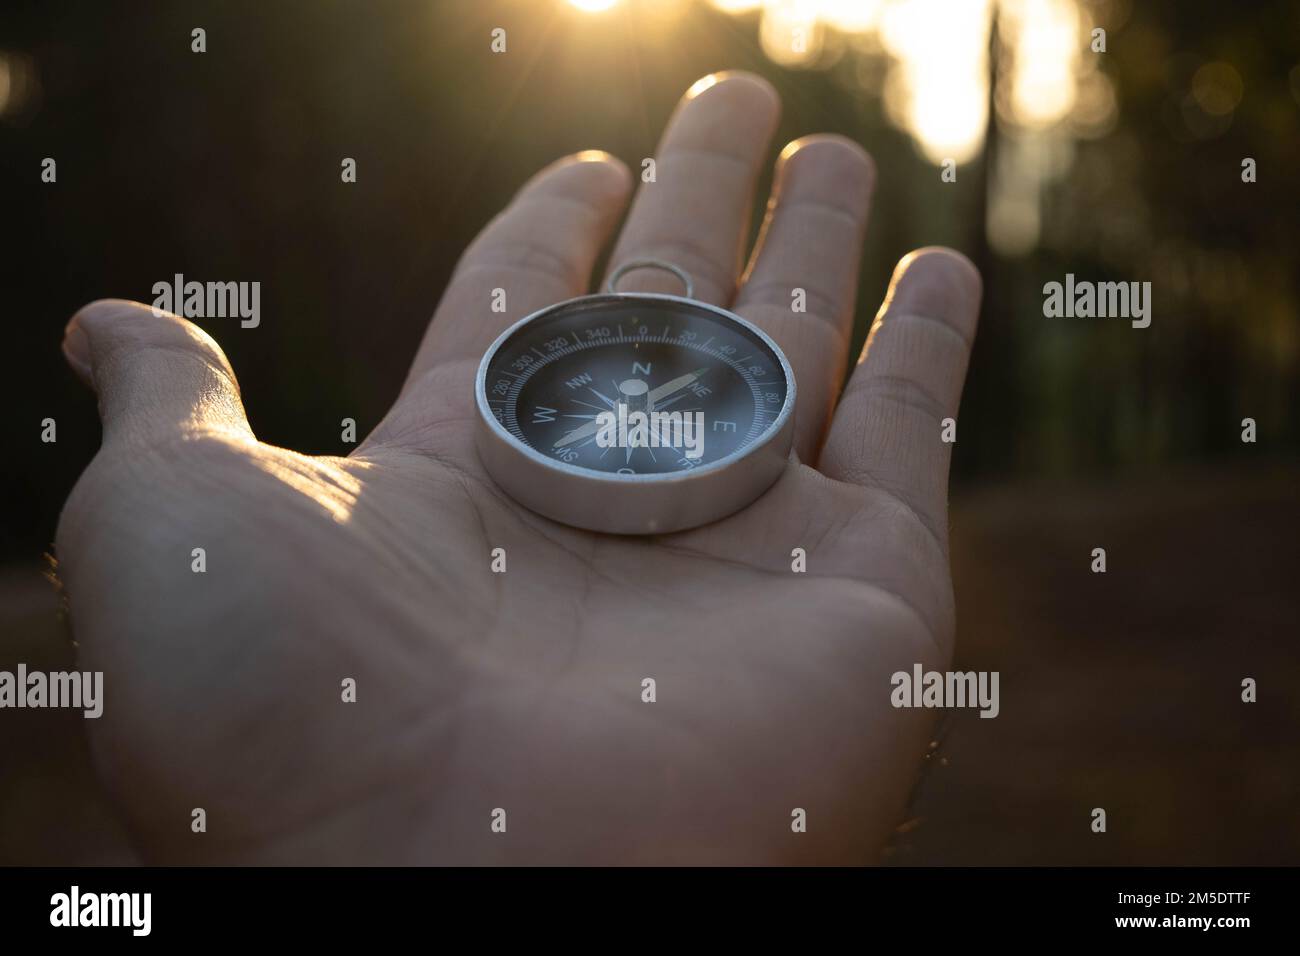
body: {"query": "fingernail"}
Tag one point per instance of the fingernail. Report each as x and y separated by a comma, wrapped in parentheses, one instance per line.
(76, 349)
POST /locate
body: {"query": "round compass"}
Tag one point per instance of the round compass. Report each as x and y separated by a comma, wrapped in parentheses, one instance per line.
(634, 413)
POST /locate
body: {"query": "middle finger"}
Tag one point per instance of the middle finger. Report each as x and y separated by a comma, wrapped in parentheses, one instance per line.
(695, 214)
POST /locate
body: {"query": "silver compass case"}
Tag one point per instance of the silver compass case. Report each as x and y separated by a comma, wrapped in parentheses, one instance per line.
(608, 501)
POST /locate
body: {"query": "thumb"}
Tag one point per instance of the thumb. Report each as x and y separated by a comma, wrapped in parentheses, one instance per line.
(156, 375)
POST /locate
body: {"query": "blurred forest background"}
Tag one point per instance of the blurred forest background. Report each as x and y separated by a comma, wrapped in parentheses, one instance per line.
(1120, 690)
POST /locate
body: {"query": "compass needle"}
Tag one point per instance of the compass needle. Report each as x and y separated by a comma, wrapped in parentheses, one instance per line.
(676, 385)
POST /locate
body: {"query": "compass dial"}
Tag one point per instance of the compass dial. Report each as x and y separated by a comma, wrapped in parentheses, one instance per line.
(634, 413)
(707, 385)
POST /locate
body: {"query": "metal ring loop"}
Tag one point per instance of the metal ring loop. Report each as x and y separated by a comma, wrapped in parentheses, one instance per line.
(660, 264)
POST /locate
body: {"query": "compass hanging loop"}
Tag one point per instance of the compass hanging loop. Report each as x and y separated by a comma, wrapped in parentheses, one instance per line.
(659, 264)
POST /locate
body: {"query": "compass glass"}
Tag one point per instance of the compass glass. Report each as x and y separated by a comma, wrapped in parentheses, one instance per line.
(635, 385)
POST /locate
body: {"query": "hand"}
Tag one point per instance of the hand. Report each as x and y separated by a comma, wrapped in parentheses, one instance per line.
(522, 690)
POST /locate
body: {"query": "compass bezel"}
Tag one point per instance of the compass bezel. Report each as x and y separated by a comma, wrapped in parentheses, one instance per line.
(655, 502)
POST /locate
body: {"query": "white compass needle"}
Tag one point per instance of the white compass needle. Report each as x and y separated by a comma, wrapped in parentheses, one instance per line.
(579, 433)
(675, 385)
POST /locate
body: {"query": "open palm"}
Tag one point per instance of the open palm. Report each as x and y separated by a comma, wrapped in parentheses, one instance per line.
(519, 701)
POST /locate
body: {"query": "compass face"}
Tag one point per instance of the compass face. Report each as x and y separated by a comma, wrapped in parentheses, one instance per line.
(594, 384)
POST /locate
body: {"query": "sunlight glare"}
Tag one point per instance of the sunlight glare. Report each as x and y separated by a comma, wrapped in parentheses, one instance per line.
(1045, 40)
(592, 6)
(939, 89)
(331, 488)
(791, 33)
(849, 16)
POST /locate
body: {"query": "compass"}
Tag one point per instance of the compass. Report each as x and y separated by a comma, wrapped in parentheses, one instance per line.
(634, 413)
